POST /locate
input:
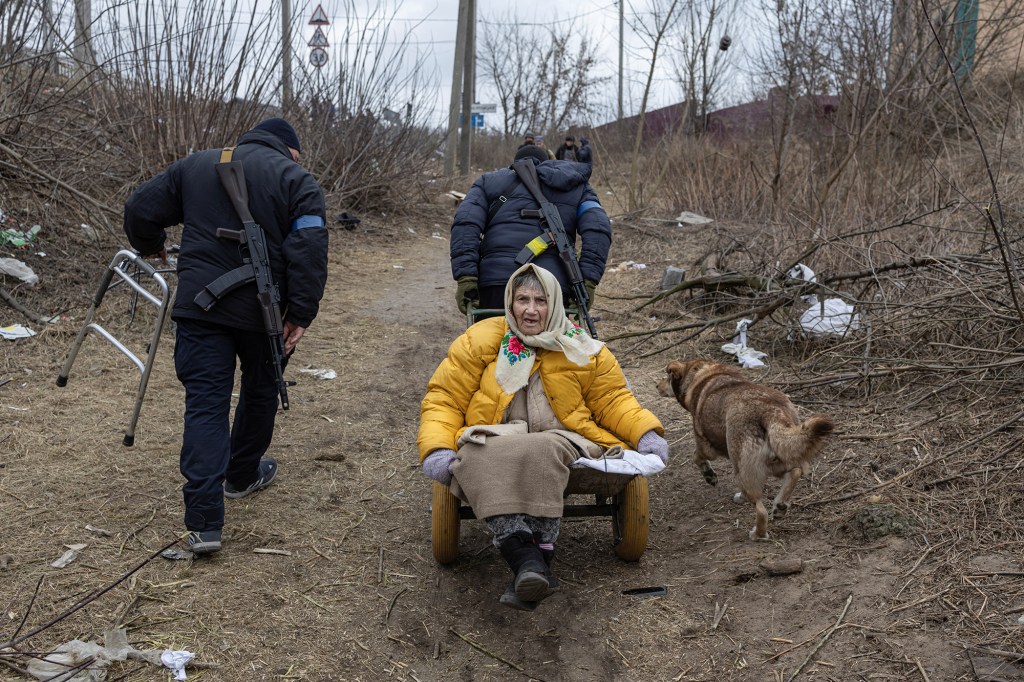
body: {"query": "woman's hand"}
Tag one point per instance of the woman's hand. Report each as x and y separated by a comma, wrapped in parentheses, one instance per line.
(652, 444)
(438, 464)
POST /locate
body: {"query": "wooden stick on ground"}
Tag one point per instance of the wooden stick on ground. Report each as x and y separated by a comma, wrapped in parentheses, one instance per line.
(824, 639)
(493, 655)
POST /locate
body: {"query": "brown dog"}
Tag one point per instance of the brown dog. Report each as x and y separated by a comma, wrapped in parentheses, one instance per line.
(755, 426)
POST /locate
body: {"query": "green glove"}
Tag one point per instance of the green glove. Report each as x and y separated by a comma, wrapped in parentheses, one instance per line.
(591, 286)
(466, 293)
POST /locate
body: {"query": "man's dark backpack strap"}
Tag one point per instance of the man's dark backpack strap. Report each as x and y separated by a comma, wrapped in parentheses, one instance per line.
(502, 198)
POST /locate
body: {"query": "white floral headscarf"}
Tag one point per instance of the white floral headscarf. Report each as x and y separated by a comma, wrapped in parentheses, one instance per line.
(517, 353)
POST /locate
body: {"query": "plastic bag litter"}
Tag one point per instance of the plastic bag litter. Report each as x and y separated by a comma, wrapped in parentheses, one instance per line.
(831, 316)
(693, 219)
(746, 356)
(17, 238)
(15, 268)
(55, 665)
(16, 331)
(325, 374)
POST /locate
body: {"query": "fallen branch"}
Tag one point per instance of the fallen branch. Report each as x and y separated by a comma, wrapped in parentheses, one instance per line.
(30, 314)
(824, 639)
(85, 601)
(969, 444)
(493, 655)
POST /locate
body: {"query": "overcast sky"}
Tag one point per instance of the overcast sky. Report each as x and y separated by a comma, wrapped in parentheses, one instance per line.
(431, 26)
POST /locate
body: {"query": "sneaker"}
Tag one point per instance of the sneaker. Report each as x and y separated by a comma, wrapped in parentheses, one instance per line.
(268, 472)
(204, 541)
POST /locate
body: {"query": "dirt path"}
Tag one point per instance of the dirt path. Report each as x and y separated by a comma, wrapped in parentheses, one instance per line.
(356, 594)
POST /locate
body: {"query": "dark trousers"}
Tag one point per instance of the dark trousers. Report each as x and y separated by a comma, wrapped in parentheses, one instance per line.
(212, 449)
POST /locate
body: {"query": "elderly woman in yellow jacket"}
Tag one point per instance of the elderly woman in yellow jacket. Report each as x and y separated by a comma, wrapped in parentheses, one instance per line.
(518, 400)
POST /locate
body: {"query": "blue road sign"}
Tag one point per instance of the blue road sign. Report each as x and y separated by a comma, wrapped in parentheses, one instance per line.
(476, 120)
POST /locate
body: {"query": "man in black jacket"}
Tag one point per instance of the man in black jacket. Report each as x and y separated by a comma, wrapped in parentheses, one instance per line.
(568, 151)
(220, 459)
(489, 229)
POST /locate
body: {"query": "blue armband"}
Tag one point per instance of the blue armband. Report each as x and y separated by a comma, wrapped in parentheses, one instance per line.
(586, 206)
(304, 221)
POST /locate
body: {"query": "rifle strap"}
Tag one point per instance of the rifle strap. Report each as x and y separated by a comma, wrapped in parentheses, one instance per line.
(226, 153)
(502, 198)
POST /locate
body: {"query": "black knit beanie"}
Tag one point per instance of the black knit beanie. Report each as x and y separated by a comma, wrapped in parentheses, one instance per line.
(281, 129)
(532, 151)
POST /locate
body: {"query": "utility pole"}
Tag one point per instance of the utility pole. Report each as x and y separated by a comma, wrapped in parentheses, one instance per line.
(468, 89)
(83, 37)
(49, 37)
(286, 56)
(453, 106)
(622, 20)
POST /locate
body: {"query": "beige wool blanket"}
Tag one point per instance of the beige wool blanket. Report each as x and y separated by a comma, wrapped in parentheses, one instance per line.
(504, 469)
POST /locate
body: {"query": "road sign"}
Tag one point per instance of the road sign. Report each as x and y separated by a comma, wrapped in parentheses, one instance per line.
(476, 120)
(479, 108)
(318, 57)
(319, 17)
(318, 39)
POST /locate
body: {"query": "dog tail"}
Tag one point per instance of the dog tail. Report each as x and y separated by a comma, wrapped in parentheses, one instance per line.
(800, 442)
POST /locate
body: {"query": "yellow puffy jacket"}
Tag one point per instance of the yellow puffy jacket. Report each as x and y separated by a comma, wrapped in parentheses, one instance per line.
(593, 401)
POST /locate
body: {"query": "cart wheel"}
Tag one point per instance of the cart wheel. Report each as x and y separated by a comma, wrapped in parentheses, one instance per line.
(631, 519)
(444, 516)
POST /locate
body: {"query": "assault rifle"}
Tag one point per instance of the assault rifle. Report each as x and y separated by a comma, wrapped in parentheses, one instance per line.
(553, 233)
(256, 268)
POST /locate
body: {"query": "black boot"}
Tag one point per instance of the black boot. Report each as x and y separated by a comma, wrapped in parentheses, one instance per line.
(527, 563)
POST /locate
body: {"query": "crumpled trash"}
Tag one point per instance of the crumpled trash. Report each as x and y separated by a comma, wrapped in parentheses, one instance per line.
(693, 219)
(176, 661)
(17, 238)
(15, 268)
(831, 316)
(73, 552)
(62, 664)
(325, 374)
(746, 356)
(16, 331)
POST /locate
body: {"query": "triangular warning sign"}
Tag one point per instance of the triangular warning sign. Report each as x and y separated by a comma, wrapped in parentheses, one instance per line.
(319, 17)
(318, 39)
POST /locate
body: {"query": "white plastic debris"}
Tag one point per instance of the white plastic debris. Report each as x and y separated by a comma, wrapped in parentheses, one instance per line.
(78, 661)
(16, 331)
(693, 219)
(72, 553)
(90, 232)
(15, 268)
(746, 356)
(831, 316)
(176, 661)
(325, 374)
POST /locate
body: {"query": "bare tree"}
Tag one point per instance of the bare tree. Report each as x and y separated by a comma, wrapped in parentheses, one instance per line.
(652, 24)
(700, 56)
(542, 75)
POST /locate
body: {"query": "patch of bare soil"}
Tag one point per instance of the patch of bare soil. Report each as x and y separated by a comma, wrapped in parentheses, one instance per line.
(353, 592)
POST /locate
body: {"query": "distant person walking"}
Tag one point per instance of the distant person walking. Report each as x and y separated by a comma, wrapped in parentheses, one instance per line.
(220, 458)
(585, 155)
(527, 140)
(540, 143)
(568, 151)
